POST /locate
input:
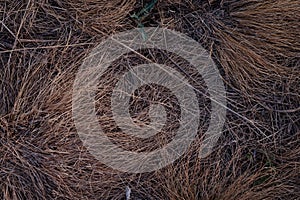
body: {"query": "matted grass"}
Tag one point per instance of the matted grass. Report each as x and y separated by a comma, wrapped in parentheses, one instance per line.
(256, 45)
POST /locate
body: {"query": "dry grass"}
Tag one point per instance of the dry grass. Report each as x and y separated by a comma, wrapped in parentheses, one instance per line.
(256, 46)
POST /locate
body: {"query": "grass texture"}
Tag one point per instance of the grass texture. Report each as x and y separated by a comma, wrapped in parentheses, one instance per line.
(256, 46)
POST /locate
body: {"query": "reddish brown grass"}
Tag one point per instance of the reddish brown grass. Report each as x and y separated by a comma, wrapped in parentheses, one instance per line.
(256, 45)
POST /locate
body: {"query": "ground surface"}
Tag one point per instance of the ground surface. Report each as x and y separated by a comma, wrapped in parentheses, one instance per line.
(256, 47)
